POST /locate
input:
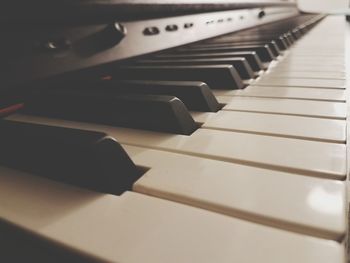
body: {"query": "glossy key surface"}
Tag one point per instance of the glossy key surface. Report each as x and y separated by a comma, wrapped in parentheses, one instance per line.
(335, 95)
(157, 230)
(279, 125)
(244, 192)
(309, 108)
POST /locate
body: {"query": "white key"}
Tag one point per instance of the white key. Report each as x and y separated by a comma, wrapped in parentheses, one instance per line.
(287, 92)
(279, 125)
(312, 51)
(314, 83)
(303, 75)
(299, 57)
(327, 160)
(296, 58)
(323, 109)
(311, 63)
(137, 228)
(277, 68)
(303, 52)
(314, 60)
(245, 192)
(276, 125)
(202, 117)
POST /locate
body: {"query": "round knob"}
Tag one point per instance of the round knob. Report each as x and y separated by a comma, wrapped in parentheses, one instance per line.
(115, 33)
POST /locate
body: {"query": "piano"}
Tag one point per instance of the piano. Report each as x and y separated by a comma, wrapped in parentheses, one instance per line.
(173, 131)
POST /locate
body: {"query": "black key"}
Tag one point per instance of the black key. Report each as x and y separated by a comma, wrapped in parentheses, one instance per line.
(157, 113)
(282, 43)
(216, 76)
(303, 29)
(274, 48)
(296, 33)
(263, 52)
(83, 158)
(196, 95)
(246, 39)
(240, 64)
(290, 37)
(251, 57)
(287, 40)
(271, 44)
(276, 51)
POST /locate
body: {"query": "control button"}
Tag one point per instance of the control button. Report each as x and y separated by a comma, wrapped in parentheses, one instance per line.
(220, 20)
(58, 44)
(171, 28)
(261, 14)
(188, 25)
(149, 31)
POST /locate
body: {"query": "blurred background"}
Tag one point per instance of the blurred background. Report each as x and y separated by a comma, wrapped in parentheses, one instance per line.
(325, 6)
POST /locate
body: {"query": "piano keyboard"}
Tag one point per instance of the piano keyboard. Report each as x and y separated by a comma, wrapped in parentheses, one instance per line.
(260, 177)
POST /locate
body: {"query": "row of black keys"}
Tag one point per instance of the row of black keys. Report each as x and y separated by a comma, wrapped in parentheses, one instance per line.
(158, 95)
(94, 160)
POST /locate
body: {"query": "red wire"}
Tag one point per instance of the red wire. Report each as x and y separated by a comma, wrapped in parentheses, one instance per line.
(11, 109)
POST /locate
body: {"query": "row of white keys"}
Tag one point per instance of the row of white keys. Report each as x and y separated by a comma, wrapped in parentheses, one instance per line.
(316, 62)
(317, 129)
(296, 67)
(313, 61)
(137, 228)
(194, 185)
(245, 192)
(300, 93)
(302, 82)
(279, 125)
(330, 75)
(309, 108)
(280, 73)
(320, 57)
(341, 74)
(292, 57)
(320, 159)
(336, 95)
(291, 80)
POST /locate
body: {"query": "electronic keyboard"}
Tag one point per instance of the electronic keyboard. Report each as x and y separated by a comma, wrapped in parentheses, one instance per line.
(201, 132)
